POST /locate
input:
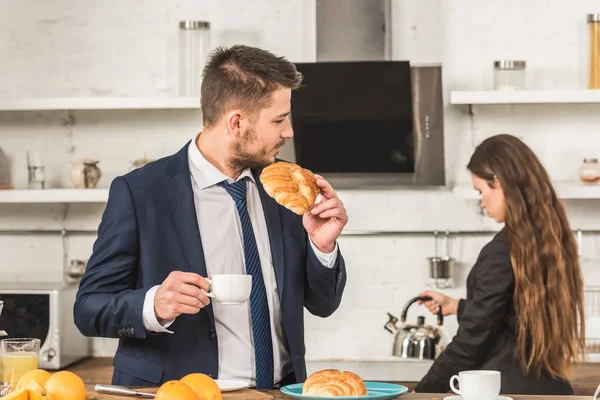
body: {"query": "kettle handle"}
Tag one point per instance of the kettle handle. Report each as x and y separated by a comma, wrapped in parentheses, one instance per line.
(440, 316)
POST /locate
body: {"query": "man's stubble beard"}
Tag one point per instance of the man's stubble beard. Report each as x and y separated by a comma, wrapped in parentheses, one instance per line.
(242, 158)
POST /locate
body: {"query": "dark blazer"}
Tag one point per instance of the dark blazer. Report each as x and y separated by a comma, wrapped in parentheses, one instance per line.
(486, 337)
(149, 229)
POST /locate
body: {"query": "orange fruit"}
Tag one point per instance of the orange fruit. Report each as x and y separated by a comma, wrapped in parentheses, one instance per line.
(38, 375)
(19, 394)
(36, 391)
(175, 390)
(203, 386)
(65, 385)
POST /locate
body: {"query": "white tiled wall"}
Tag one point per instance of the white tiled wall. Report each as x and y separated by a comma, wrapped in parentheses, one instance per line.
(80, 49)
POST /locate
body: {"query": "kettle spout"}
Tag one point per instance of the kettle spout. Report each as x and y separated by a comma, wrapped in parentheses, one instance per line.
(390, 326)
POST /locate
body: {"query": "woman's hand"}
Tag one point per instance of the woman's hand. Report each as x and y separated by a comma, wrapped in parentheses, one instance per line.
(448, 304)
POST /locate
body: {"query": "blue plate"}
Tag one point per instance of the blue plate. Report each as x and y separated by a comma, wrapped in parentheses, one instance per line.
(376, 390)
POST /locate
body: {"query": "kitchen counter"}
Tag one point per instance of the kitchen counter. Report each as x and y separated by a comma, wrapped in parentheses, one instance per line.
(585, 380)
(277, 395)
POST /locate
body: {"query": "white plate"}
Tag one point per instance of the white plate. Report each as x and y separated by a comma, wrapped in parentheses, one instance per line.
(230, 385)
(460, 398)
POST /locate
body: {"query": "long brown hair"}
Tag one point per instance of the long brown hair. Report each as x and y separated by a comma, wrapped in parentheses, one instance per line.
(548, 294)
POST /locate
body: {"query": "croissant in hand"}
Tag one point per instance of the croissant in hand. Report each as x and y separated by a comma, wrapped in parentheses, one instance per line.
(334, 383)
(290, 185)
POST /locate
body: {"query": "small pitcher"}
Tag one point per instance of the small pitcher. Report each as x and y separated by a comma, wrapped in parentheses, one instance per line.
(85, 173)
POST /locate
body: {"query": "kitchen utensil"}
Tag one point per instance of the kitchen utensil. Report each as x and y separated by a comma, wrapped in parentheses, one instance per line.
(441, 268)
(417, 341)
(121, 391)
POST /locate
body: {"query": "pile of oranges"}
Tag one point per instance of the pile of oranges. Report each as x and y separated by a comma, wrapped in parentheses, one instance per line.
(190, 387)
(42, 385)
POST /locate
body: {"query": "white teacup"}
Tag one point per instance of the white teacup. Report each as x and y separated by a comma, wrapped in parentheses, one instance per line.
(230, 288)
(477, 385)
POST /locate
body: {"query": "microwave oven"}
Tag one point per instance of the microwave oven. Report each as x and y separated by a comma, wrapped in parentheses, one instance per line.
(44, 311)
(370, 123)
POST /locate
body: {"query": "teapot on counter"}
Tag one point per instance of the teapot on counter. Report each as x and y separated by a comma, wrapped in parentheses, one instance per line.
(417, 341)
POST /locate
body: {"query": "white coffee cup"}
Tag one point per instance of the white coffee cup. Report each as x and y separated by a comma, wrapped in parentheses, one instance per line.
(477, 385)
(230, 288)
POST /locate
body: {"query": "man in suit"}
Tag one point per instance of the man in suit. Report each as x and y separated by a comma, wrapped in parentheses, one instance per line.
(202, 212)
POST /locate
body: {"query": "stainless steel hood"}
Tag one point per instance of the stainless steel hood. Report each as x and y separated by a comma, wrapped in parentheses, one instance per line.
(353, 32)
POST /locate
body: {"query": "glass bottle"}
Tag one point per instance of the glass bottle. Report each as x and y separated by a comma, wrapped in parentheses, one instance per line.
(589, 172)
(509, 75)
(594, 22)
(194, 46)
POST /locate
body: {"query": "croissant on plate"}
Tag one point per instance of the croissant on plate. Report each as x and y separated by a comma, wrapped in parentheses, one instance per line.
(290, 185)
(334, 383)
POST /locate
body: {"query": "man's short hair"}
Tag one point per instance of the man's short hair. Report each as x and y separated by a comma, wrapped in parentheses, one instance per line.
(243, 77)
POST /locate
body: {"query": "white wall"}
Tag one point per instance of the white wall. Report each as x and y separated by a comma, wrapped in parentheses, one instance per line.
(72, 48)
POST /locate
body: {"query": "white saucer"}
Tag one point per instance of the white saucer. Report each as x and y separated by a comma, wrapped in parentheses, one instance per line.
(461, 398)
(227, 385)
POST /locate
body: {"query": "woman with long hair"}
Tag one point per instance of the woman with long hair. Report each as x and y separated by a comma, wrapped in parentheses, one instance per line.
(524, 313)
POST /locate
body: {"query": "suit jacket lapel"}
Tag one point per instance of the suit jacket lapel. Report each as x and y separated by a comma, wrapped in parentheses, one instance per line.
(273, 218)
(178, 186)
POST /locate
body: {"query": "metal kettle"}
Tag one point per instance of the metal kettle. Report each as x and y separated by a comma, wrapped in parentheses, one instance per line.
(417, 341)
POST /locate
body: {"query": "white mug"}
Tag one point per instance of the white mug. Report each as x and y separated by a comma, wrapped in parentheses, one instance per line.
(230, 288)
(477, 385)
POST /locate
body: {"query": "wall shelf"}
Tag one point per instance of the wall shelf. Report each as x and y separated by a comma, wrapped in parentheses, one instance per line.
(566, 191)
(525, 97)
(99, 103)
(19, 196)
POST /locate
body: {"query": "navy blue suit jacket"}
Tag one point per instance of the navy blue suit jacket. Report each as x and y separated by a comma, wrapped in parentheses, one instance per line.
(148, 230)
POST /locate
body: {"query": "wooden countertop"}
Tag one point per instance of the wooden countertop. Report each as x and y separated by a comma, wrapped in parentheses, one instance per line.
(99, 370)
(277, 395)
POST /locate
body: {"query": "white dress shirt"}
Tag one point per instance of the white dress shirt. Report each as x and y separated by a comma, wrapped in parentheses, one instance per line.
(222, 242)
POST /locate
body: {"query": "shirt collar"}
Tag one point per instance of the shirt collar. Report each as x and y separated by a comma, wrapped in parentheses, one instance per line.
(204, 173)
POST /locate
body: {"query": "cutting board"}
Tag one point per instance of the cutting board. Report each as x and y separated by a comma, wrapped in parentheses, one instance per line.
(242, 394)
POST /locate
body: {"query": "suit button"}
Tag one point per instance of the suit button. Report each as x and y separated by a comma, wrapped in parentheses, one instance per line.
(120, 332)
(131, 331)
(213, 334)
(211, 375)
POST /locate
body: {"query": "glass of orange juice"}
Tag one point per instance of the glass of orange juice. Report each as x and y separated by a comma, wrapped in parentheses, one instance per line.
(20, 354)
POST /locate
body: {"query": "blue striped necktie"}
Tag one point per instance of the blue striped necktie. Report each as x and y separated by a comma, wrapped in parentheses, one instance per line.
(259, 308)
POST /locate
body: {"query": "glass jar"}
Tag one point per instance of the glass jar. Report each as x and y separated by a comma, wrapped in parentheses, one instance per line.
(589, 172)
(509, 75)
(594, 22)
(194, 46)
